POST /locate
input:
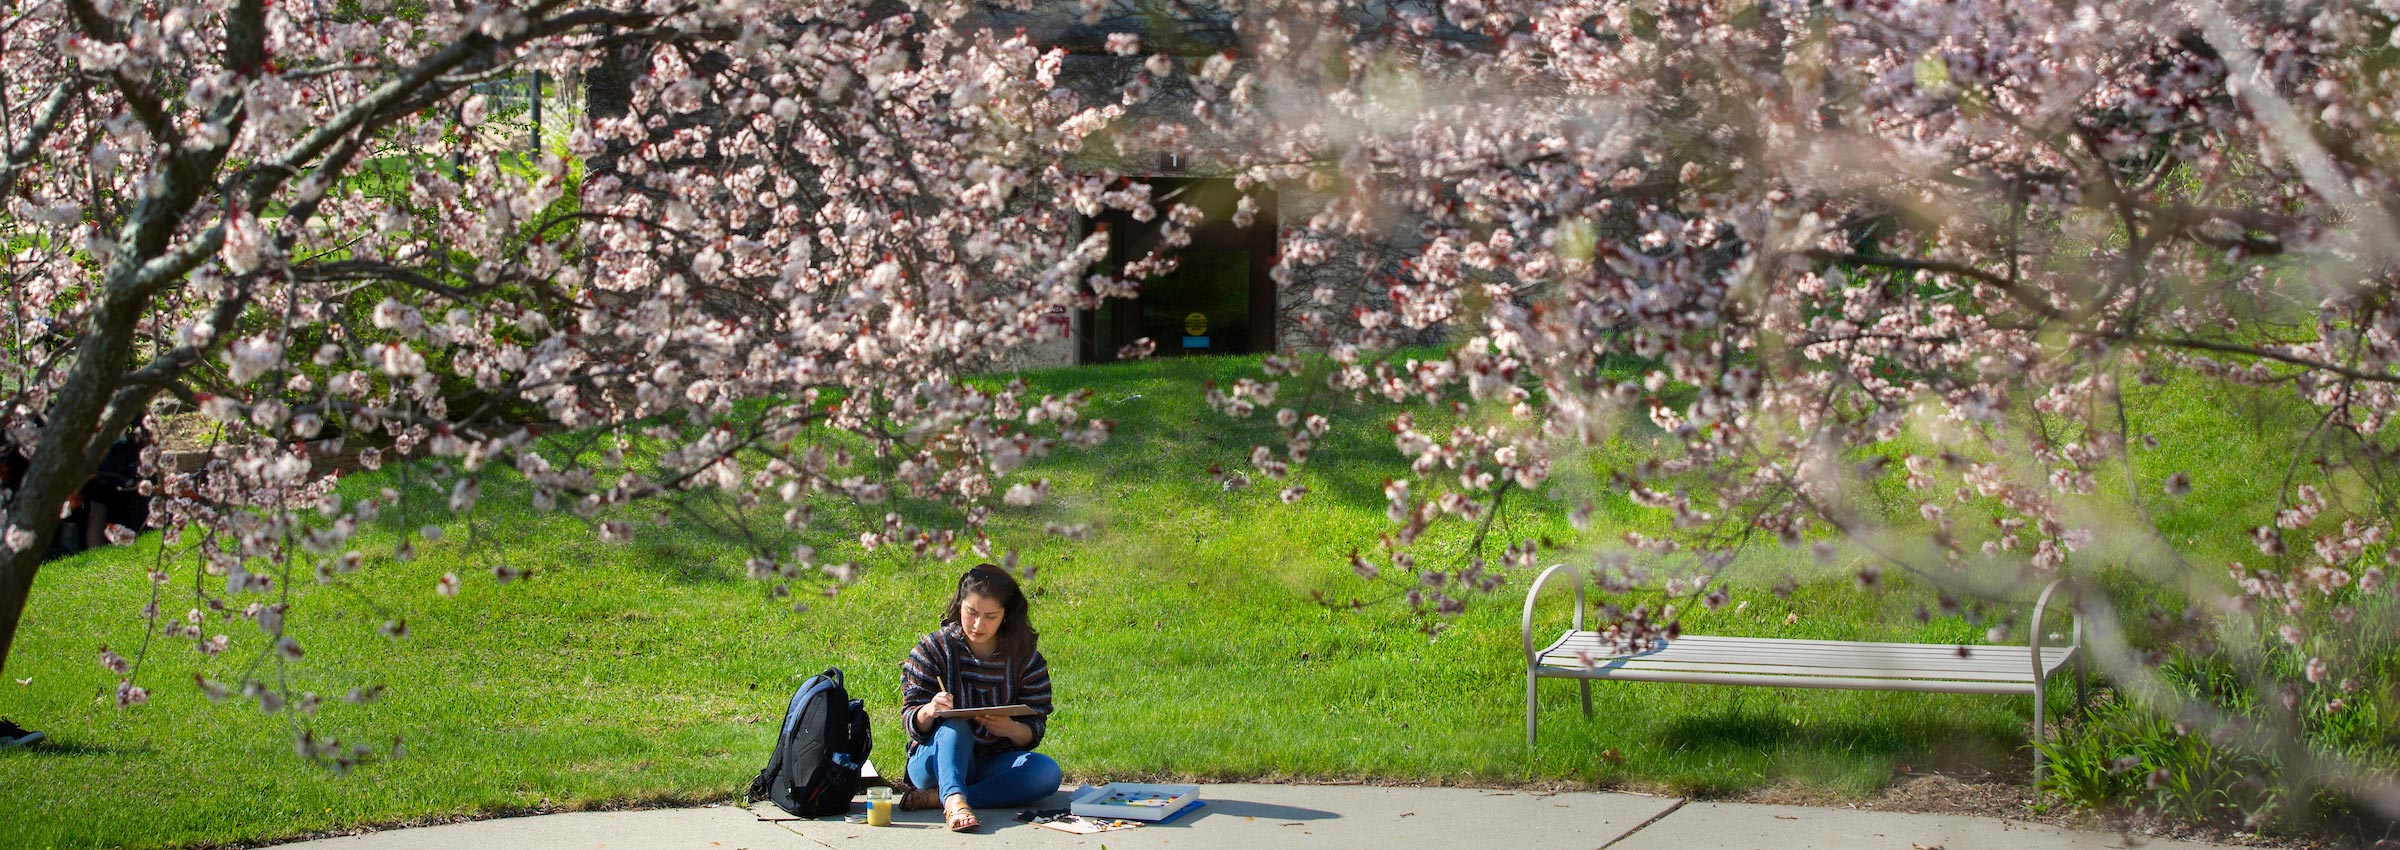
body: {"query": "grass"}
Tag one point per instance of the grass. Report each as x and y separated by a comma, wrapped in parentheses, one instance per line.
(1183, 640)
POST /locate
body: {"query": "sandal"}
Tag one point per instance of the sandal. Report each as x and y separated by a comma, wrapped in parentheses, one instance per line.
(958, 816)
(919, 799)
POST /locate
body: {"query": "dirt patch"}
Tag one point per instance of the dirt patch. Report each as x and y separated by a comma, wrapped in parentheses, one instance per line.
(1951, 795)
(184, 432)
(325, 457)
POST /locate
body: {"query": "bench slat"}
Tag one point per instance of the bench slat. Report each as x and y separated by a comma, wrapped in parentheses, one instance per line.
(2009, 659)
(1844, 647)
(1996, 659)
(1843, 683)
(1695, 642)
(1699, 653)
(1610, 669)
(1586, 638)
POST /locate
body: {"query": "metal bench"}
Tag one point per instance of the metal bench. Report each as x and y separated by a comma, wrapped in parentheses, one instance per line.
(1773, 662)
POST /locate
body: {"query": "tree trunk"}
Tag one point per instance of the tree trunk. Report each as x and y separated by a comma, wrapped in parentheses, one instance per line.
(63, 459)
(608, 93)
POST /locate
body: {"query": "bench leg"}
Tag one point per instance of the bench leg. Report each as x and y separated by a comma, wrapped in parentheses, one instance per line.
(2040, 686)
(1528, 706)
(1587, 698)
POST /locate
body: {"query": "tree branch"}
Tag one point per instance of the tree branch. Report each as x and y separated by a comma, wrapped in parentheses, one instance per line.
(146, 107)
(53, 110)
(168, 368)
(380, 105)
(2248, 351)
(2015, 292)
(246, 37)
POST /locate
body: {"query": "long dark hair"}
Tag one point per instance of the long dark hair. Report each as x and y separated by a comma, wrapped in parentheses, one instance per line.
(1017, 636)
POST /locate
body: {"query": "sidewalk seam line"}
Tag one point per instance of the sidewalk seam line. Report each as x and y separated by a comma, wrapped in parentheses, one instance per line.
(1679, 801)
(810, 838)
(779, 824)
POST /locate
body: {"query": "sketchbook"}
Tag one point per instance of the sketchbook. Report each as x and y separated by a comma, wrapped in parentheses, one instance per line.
(1013, 710)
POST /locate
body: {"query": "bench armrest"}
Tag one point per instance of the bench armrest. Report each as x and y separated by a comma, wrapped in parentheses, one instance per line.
(1535, 592)
(2034, 636)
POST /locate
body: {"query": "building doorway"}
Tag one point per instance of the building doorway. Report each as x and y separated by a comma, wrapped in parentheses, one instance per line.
(1219, 299)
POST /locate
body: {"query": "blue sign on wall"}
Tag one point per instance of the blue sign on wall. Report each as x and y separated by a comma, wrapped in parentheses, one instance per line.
(1195, 342)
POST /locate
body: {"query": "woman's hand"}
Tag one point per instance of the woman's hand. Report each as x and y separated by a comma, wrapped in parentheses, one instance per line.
(1006, 727)
(925, 716)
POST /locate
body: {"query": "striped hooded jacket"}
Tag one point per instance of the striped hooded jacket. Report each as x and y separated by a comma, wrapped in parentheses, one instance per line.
(974, 683)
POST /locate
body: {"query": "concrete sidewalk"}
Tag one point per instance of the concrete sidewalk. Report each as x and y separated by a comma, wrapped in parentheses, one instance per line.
(1256, 817)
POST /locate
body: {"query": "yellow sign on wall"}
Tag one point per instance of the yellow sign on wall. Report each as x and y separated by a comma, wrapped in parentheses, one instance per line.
(1195, 324)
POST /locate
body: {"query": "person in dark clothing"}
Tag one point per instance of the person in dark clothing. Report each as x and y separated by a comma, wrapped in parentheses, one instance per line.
(70, 537)
(111, 497)
(985, 654)
(13, 736)
(12, 472)
(114, 493)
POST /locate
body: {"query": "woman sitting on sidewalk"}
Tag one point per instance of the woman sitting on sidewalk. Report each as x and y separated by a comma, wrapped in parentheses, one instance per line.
(983, 655)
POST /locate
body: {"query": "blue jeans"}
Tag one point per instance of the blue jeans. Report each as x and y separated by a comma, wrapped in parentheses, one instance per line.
(948, 762)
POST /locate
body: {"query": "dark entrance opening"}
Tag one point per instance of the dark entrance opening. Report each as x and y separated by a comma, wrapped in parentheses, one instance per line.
(1218, 300)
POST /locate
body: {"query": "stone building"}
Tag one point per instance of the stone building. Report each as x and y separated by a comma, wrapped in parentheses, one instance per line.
(1220, 299)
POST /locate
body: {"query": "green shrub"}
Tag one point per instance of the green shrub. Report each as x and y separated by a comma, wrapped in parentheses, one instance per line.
(2125, 756)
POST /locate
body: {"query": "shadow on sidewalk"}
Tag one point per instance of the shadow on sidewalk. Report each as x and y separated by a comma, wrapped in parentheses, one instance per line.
(1248, 809)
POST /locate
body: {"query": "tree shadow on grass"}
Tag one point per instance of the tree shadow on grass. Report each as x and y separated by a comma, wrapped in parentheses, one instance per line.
(54, 748)
(1916, 741)
(681, 563)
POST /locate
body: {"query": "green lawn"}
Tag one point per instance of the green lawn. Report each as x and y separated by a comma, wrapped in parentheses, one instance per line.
(1183, 640)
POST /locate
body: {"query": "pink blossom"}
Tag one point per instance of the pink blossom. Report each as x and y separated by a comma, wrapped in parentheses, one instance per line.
(399, 360)
(245, 244)
(1023, 494)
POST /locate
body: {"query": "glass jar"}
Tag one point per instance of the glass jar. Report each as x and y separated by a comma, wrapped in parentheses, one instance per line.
(880, 802)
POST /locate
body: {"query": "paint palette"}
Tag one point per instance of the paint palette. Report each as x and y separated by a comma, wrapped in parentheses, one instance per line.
(1134, 800)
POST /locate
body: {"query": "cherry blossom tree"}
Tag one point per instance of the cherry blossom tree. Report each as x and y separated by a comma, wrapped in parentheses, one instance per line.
(309, 222)
(1828, 252)
(1880, 275)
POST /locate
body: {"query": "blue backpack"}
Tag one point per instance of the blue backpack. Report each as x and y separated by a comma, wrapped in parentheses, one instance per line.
(814, 771)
